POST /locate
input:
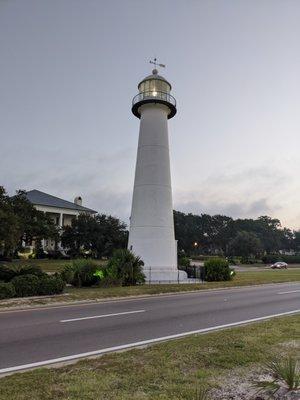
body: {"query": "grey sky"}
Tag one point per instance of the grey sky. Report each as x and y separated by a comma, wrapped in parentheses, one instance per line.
(69, 69)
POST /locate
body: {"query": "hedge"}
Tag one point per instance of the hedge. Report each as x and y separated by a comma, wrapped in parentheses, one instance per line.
(7, 290)
(273, 258)
(6, 273)
(26, 285)
(49, 285)
(30, 270)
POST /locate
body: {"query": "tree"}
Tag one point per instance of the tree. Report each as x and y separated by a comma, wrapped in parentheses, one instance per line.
(211, 233)
(20, 221)
(99, 234)
(287, 239)
(34, 224)
(10, 229)
(245, 244)
(296, 241)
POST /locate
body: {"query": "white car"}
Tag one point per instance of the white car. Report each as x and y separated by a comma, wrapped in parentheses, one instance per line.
(279, 265)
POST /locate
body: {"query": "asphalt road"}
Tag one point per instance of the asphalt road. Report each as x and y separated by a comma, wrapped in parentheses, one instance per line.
(37, 337)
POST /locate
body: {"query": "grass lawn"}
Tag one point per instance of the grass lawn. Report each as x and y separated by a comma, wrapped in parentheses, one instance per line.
(166, 371)
(241, 279)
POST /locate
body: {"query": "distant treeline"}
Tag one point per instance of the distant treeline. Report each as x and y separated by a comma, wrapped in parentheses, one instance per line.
(21, 223)
(219, 234)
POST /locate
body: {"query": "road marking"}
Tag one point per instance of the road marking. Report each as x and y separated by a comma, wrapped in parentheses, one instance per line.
(141, 343)
(291, 291)
(102, 316)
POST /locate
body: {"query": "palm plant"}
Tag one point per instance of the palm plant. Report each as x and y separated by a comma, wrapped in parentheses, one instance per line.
(127, 267)
(202, 393)
(285, 372)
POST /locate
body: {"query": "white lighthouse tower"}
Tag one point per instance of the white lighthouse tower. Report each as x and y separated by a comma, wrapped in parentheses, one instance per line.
(151, 234)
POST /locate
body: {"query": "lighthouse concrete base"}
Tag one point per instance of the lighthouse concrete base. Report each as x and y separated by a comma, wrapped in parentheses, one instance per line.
(164, 275)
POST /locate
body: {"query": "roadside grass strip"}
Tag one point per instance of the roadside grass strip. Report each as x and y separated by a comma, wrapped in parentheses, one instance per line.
(248, 278)
(168, 370)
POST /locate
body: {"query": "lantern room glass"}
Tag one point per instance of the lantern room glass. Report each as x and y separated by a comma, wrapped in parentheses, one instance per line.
(154, 86)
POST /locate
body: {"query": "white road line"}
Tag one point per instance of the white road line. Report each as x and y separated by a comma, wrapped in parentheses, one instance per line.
(141, 343)
(291, 291)
(102, 316)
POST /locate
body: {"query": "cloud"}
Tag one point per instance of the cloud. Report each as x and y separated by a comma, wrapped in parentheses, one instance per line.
(233, 209)
(244, 194)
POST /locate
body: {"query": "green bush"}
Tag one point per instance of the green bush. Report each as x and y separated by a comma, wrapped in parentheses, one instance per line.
(30, 270)
(67, 274)
(49, 285)
(26, 285)
(81, 273)
(184, 262)
(6, 273)
(125, 267)
(217, 269)
(7, 290)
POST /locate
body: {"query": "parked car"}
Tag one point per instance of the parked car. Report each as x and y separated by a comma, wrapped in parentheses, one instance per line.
(279, 265)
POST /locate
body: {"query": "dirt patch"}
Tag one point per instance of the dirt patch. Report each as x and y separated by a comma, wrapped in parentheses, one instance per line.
(238, 385)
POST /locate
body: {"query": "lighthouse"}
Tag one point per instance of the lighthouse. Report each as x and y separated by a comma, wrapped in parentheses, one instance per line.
(151, 233)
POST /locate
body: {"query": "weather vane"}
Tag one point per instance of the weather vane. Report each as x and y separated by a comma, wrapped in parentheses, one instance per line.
(156, 63)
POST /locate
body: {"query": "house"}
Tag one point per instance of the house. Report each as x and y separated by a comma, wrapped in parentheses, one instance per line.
(61, 211)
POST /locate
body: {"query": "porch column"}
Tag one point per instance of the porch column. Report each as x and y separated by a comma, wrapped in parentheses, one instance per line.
(61, 220)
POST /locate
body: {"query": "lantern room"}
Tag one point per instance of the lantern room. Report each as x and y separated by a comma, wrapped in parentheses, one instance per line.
(154, 89)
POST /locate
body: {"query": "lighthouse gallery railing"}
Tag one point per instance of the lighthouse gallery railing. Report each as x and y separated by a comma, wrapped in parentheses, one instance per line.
(152, 95)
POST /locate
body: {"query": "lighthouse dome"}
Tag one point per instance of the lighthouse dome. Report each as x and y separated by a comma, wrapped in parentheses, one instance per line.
(157, 81)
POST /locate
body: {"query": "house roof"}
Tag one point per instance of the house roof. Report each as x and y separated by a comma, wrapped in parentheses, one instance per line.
(44, 199)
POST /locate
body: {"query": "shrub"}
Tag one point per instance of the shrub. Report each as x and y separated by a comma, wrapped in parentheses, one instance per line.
(217, 269)
(202, 393)
(6, 273)
(84, 273)
(30, 270)
(285, 374)
(49, 285)
(126, 267)
(81, 273)
(184, 262)
(67, 274)
(7, 290)
(26, 285)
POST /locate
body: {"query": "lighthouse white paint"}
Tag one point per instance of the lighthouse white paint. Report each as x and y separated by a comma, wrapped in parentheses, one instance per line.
(151, 234)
